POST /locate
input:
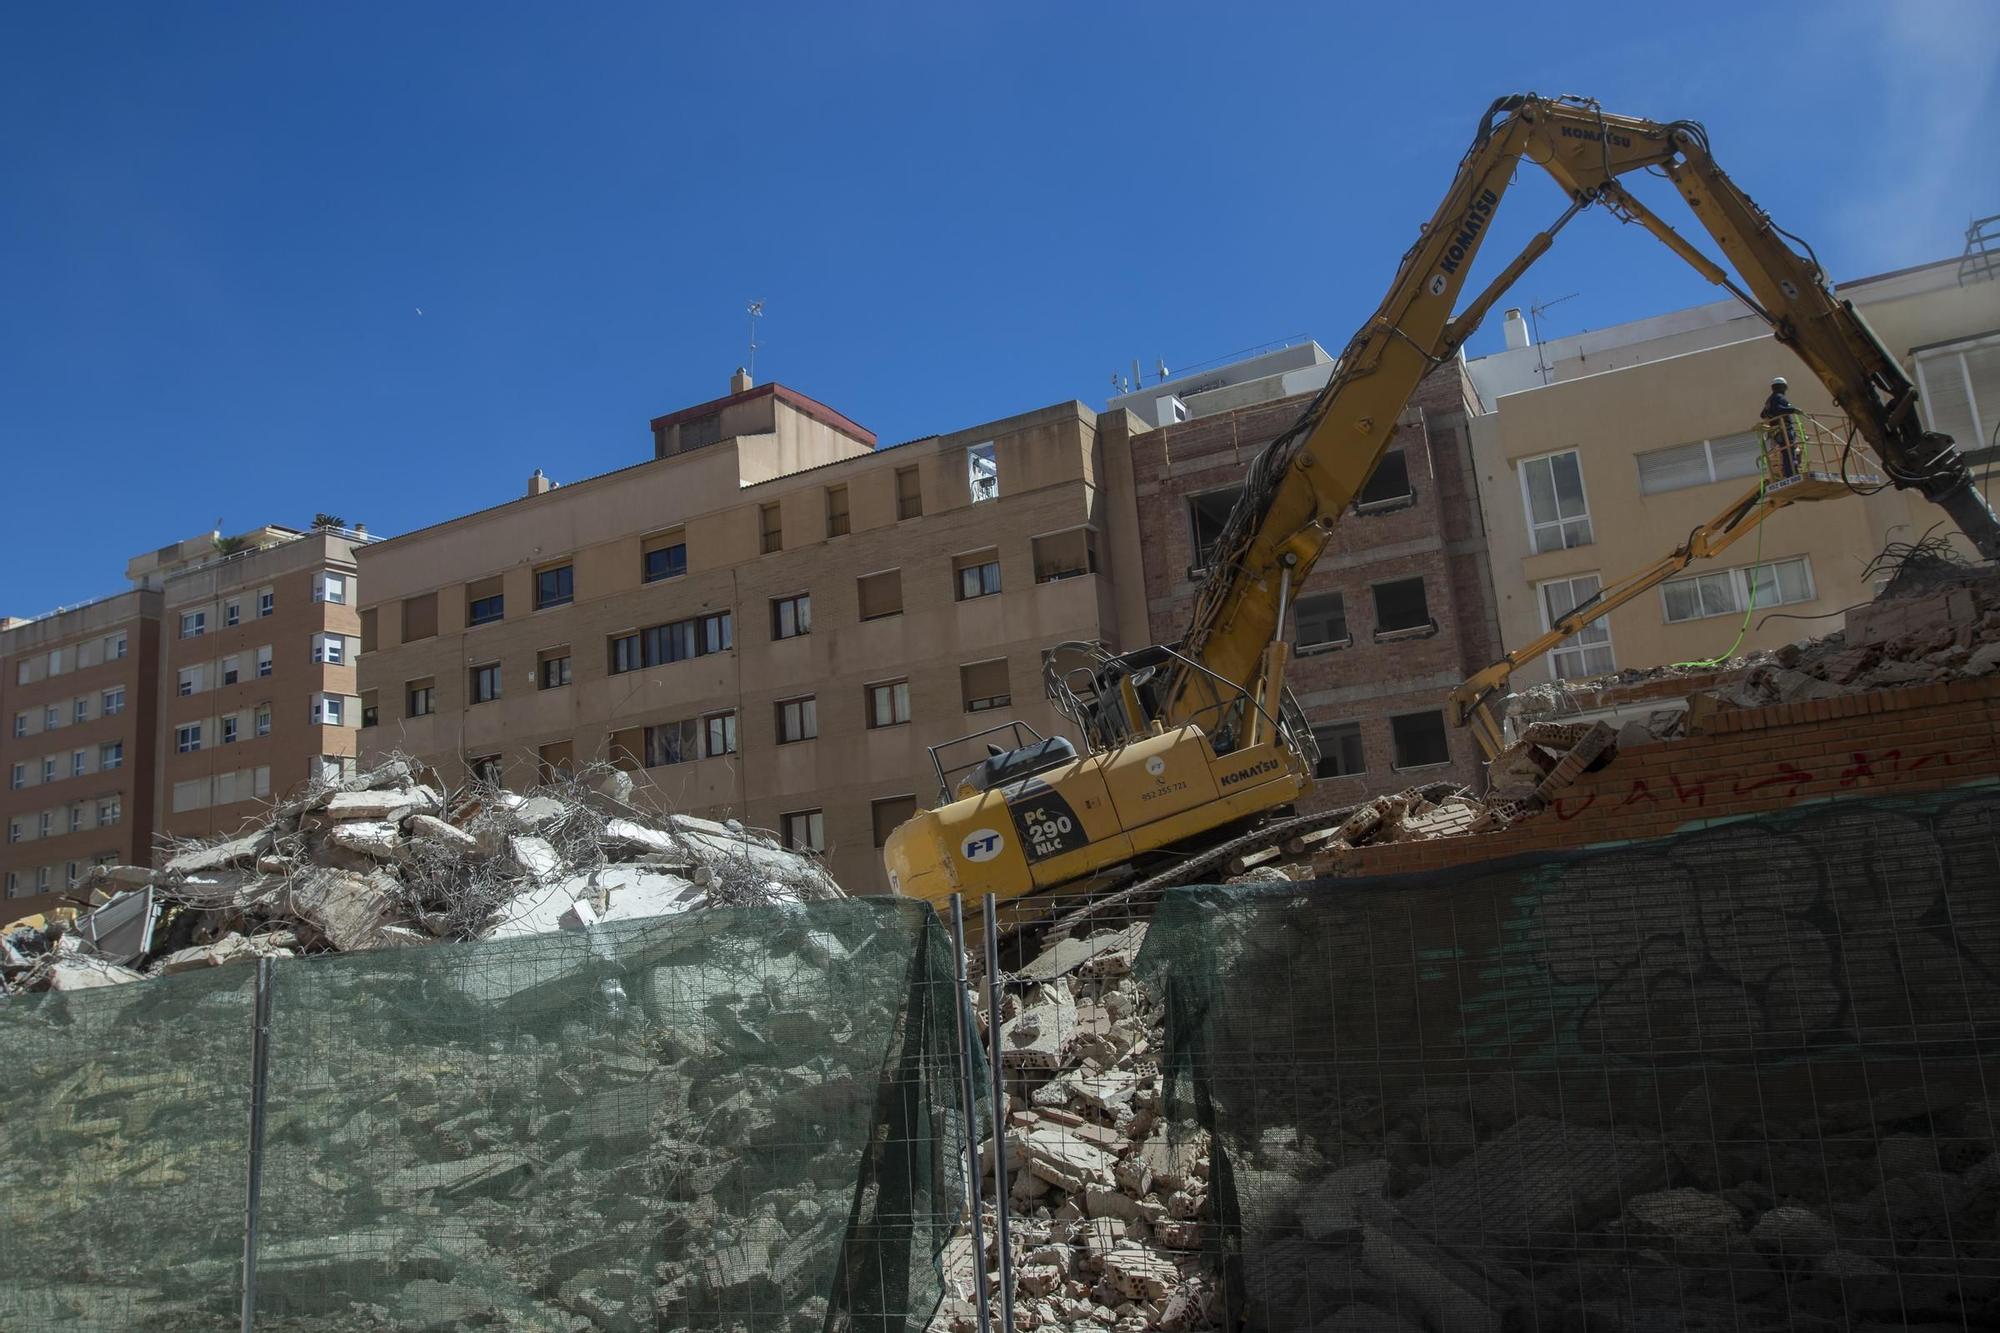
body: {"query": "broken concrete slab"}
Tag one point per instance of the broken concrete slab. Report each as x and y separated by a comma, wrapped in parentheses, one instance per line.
(345, 909)
(242, 851)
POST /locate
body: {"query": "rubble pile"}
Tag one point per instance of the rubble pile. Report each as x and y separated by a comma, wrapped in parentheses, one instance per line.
(1108, 1212)
(386, 860)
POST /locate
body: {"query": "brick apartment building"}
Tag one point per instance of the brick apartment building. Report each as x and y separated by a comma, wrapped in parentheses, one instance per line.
(771, 619)
(223, 678)
(1399, 609)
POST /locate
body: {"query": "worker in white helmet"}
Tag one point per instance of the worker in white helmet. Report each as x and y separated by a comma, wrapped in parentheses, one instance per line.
(1784, 433)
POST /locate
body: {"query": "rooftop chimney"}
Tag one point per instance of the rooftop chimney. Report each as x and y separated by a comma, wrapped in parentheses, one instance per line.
(1516, 329)
(540, 484)
(740, 381)
(361, 529)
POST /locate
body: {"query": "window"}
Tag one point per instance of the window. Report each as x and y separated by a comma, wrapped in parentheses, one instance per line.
(1388, 487)
(1419, 740)
(555, 587)
(187, 739)
(771, 526)
(791, 616)
(1699, 463)
(13, 830)
(371, 712)
(804, 830)
(264, 661)
(194, 624)
(41, 879)
(909, 494)
(1552, 491)
(673, 743)
(982, 472)
(1340, 753)
(556, 760)
(978, 574)
(232, 670)
(552, 668)
(983, 686)
(110, 809)
(189, 681)
(49, 769)
(417, 696)
(110, 755)
(1208, 516)
(20, 725)
(229, 730)
(836, 511)
(1960, 388)
(261, 721)
(71, 871)
(114, 701)
(51, 718)
(45, 824)
(79, 763)
(1586, 652)
(330, 649)
(889, 703)
(1401, 605)
(665, 557)
(887, 813)
(487, 768)
(1729, 591)
(76, 817)
(329, 587)
(369, 629)
(420, 617)
(1320, 621)
(327, 710)
(1065, 555)
(695, 637)
(232, 612)
(19, 779)
(114, 647)
(721, 729)
(881, 594)
(267, 602)
(797, 719)
(486, 683)
(485, 610)
(81, 710)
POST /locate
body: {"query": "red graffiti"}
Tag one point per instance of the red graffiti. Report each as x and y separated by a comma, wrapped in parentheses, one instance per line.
(1787, 774)
(1790, 776)
(1640, 792)
(1565, 812)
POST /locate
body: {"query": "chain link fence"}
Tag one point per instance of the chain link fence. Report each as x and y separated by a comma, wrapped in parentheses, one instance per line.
(741, 1118)
(1744, 1078)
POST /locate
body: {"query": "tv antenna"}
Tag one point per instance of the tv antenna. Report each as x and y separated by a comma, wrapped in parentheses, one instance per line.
(1542, 366)
(756, 308)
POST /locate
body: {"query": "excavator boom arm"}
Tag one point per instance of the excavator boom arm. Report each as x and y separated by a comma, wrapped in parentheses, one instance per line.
(1303, 482)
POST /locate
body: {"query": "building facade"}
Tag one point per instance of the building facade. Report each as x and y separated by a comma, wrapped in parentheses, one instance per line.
(77, 692)
(223, 679)
(1397, 611)
(771, 620)
(1597, 454)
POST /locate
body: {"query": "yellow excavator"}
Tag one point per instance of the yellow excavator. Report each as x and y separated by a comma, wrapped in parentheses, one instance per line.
(1191, 742)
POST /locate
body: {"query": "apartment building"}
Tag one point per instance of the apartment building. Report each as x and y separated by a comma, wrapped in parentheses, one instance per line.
(224, 678)
(76, 689)
(257, 686)
(1397, 611)
(1598, 453)
(773, 619)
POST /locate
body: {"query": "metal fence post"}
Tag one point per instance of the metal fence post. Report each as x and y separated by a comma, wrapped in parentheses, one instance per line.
(967, 1034)
(260, 1068)
(1002, 1222)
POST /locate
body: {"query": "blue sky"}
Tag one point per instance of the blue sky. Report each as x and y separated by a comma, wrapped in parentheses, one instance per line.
(219, 222)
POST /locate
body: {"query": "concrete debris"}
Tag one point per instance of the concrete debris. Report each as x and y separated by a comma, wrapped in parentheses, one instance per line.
(387, 860)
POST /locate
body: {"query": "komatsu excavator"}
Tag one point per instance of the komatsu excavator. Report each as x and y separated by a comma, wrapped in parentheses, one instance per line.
(1189, 743)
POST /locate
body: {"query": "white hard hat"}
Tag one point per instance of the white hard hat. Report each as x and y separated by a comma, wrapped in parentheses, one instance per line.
(1779, 382)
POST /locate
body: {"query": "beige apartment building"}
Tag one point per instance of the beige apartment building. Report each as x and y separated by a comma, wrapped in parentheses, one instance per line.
(1597, 454)
(76, 690)
(224, 678)
(771, 620)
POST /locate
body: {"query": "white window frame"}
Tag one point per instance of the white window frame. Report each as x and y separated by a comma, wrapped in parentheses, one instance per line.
(114, 701)
(115, 759)
(18, 778)
(79, 763)
(49, 769)
(80, 710)
(329, 649)
(264, 662)
(260, 721)
(1528, 503)
(982, 472)
(1981, 427)
(187, 738)
(815, 827)
(1739, 585)
(326, 584)
(114, 647)
(194, 624)
(328, 710)
(231, 725)
(232, 613)
(20, 725)
(1575, 645)
(51, 717)
(1708, 457)
(267, 602)
(110, 809)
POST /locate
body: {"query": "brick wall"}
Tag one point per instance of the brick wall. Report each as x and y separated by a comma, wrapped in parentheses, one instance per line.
(1439, 537)
(1920, 738)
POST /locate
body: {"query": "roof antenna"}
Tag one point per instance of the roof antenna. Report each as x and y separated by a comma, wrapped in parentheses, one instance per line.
(756, 309)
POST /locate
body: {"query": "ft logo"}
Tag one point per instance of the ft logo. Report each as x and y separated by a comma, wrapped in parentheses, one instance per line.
(982, 845)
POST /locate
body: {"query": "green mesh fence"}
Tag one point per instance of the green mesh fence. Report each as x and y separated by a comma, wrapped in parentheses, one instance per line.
(741, 1119)
(122, 1112)
(1743, 1078)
